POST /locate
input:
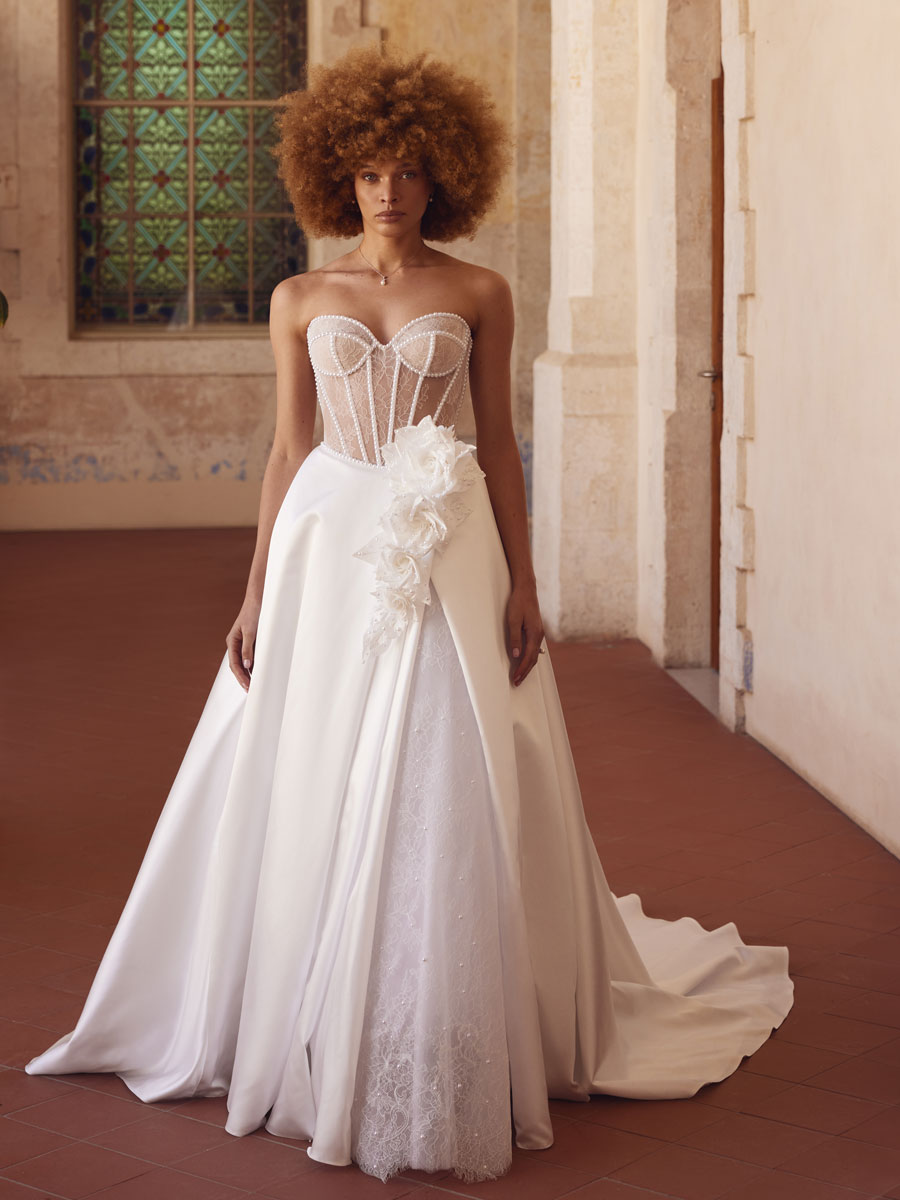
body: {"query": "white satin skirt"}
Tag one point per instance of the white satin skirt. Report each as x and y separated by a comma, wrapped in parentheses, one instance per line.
(371, 913)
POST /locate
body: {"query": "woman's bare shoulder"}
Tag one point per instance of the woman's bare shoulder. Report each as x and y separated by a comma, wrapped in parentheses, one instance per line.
(484, 284)
(483, 278)
(490, 294)
(300, 296)
(290, 292)
(482, 289)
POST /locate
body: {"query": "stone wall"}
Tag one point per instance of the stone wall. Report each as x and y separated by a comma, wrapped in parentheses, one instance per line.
(585, 498)
(622, 421)
(109, 430)
(679, 57)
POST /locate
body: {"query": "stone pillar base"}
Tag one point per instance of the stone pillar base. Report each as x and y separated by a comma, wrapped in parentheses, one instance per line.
(585, 494)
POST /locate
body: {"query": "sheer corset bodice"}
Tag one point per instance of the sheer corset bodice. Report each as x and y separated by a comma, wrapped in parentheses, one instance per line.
(368, 389)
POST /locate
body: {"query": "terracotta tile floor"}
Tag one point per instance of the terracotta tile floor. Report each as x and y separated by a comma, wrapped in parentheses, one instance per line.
(112, 641)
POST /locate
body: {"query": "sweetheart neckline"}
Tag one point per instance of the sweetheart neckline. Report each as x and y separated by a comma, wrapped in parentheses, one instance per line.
(393, 338)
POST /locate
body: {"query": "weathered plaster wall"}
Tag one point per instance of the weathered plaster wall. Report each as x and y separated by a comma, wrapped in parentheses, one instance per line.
(817, 257)
(109, 431)
(119, 431)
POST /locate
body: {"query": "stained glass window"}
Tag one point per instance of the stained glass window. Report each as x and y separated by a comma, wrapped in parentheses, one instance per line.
(181, 222)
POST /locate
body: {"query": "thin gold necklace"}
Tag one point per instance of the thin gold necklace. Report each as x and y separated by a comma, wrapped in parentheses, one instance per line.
(384, 278)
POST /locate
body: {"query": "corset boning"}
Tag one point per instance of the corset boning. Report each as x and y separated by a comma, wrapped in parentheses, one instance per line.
(367, 389)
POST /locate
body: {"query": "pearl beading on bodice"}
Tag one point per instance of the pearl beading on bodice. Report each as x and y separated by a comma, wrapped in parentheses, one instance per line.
(368, 389)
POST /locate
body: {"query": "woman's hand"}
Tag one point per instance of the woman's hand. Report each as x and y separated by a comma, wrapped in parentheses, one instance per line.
(241, 642)
(524, 630)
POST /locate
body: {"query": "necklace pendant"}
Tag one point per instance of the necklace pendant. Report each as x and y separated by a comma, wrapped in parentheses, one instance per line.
(384, 281)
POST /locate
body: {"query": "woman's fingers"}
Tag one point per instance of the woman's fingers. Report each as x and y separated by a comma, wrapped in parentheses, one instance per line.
(235, 643)
(514, 629)
(531, 649)
(515, 639)
(247, 647)
(525, 632)
(241, 642)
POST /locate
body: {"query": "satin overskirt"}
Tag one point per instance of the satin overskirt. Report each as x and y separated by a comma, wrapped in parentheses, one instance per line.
(240, 961)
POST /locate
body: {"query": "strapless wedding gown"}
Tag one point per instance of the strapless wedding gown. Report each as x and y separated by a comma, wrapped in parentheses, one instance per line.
(371, 912)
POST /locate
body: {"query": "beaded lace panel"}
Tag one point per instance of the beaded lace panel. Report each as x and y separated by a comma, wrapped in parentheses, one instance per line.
(367, 388)
(432, 1083)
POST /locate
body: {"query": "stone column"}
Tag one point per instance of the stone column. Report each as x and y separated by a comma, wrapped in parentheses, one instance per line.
(585, 420)
(680, 53)
(738, 529)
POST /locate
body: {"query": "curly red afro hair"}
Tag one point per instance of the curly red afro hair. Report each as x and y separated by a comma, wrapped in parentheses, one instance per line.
(371, 105)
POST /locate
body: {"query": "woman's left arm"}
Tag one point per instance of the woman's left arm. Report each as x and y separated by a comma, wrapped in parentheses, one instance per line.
(498, 457)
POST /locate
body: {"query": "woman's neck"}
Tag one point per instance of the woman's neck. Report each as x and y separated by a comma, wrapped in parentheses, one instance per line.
(388, 254)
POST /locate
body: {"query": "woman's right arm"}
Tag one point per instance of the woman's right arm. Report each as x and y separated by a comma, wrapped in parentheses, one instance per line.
(295, 417)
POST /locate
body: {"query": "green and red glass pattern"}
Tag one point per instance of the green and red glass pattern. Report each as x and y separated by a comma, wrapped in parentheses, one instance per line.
(181, 220)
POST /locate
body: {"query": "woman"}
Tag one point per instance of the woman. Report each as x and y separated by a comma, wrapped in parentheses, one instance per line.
(371, 912)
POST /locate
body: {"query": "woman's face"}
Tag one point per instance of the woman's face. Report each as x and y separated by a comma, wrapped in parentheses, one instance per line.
(392, 194)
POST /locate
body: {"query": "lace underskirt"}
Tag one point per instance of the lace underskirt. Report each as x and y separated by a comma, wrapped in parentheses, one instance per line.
(432, 1085)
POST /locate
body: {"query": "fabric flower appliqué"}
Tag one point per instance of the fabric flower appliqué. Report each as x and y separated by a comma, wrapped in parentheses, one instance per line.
(427, 470)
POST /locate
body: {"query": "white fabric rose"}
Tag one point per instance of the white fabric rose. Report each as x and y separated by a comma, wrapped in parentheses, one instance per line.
(415, 524)
(422, 459)
(400, 570)
(427, 469)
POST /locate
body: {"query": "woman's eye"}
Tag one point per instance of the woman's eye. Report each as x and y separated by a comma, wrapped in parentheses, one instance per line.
(372, 176)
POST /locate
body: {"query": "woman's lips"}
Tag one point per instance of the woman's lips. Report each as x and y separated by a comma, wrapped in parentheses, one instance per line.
(388, 216)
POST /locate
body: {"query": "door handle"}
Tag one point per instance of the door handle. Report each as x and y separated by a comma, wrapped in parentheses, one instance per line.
(710, 374)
